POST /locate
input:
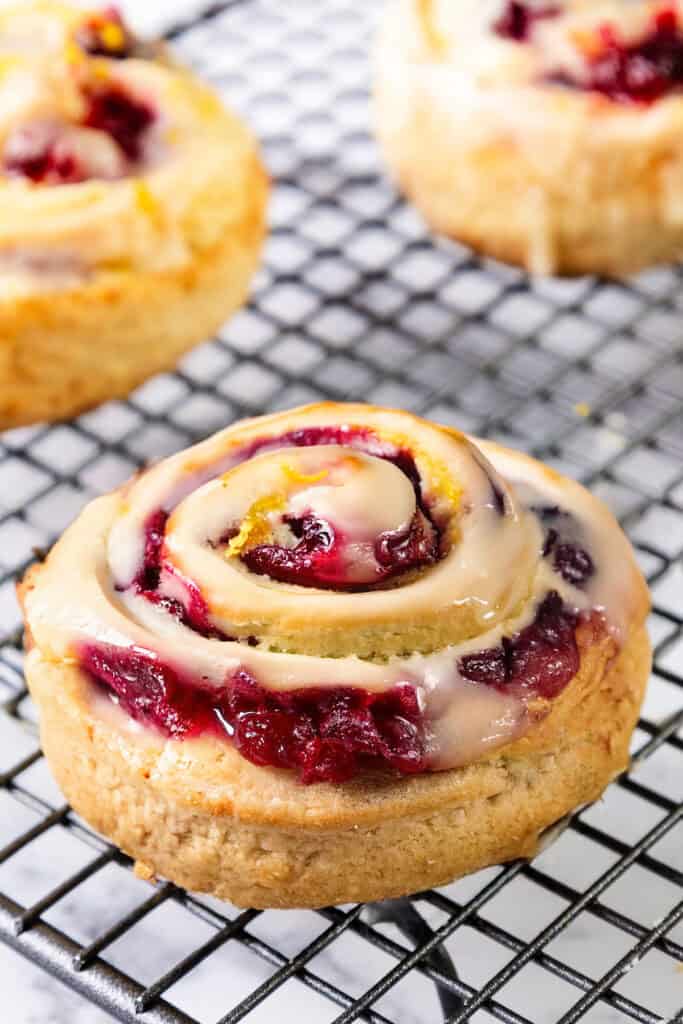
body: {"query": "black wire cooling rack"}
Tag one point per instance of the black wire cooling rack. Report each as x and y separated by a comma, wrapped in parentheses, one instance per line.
(356, 301)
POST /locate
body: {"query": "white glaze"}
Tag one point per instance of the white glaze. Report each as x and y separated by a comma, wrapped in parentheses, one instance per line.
(328, 481)
(489, 569)
(463, 718)
(362, 495)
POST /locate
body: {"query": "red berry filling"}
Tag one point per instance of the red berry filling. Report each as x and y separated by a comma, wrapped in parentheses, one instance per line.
(642, 71)
(326, 735)
(55, 153)
(309, 437)
(317, 558)
(637, 72)
(517, 20)
(148, 690)
(113, 110)
(570, 559)
(36, 152)
(538, 661)
(148, 576)
(193, 611)
(401, 550)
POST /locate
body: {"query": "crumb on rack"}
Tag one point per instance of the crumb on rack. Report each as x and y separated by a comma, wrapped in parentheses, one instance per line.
(143, 871)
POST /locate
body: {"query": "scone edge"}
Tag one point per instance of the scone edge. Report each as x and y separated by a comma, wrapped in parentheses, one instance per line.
(62, 352)
(571, 193)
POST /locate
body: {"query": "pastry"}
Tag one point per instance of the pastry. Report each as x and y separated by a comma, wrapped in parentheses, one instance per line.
(542, 133)
(337, 653)
(131, 211)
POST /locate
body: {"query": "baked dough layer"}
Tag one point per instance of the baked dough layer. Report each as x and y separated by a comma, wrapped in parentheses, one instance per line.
(198, 813)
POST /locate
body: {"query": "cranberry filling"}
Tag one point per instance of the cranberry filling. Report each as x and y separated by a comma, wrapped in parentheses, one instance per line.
(55, 153)
(317, 559)
(326, 735)
(574, 564)
(641, 71)
(148, 575)
(126, 119)
(414, 548)
(517, 20)
(37, 152)
(540, 660)
(149, 691)
(193, 612)
(570, 560)
(638, 72)
(309, 437)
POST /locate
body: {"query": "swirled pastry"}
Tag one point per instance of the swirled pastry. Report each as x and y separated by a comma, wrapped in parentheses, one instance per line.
(543, 132)
(131, 211)
(337, 653)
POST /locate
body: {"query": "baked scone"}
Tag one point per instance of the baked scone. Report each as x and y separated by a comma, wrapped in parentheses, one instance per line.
(545, 133)
(131, 211)
(337, 653)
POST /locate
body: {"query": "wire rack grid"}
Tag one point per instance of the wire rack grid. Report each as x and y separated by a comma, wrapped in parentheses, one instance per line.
(356, 301)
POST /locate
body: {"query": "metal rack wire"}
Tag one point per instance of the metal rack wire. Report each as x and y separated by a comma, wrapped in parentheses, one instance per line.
(357, 301)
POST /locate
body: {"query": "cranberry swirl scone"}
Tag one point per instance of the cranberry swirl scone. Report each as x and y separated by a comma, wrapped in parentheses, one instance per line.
(545, 133)
(132, 209)
(333, 654)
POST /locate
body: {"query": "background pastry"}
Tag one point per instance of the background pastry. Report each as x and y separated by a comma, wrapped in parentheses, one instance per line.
(131, 211)
(262, 682)
(541, 133)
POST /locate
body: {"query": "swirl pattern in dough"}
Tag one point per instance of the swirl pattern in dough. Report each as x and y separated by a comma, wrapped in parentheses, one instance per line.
(345, 601)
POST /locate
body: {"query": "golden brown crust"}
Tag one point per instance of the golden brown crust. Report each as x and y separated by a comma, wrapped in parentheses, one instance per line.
(62, 352)
(198, 813)
(473, 197)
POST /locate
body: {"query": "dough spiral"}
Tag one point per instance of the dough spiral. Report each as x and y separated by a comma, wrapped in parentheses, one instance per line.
(324, 615)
